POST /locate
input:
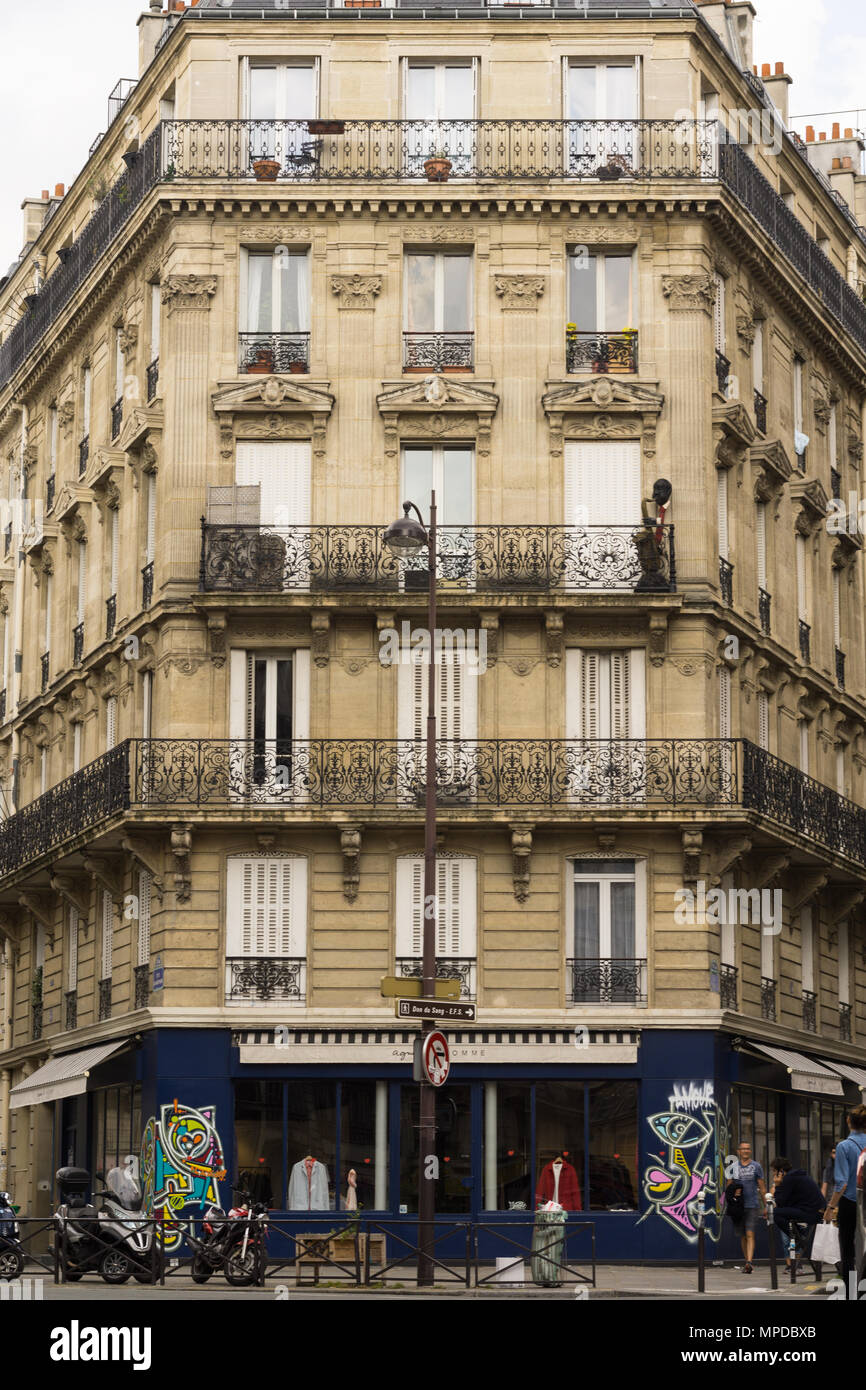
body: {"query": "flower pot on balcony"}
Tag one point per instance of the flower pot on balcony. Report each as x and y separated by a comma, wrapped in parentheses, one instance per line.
(266, 170)
(326, 127)
(608, 172)
(263, 363)
(437, 168)
(362, 4)
(297, 368)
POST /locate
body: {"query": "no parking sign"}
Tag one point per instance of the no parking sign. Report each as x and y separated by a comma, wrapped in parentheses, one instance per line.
(435, 1058)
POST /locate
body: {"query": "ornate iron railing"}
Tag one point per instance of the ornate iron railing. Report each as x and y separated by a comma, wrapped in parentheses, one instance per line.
(79, 803)
(723, 372)
(147, 585)
(835, 484)
(760, 412)
(265, 979)
(840, 668)
(104, 1005)
(726, 581)
(805, 634)
(36, 1020)
(116, 417)
(845, 1022)
(45, 669)
(600, 352)
(78, 644)
(460, 968)
(50, 488)
(2, 705)
(71, 1010)
(438, 352)
(791, 798)
(83, 455)
(273, 352)
(110, 615)
(141, 976)
(523, 558)
(152, 378)
(768, 998)
(606, 981)
(810, 1011)
(765, 602)
(728, 986)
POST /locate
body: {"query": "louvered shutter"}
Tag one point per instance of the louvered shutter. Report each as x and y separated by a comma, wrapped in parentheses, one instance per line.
(234, 505)
(602, 484)
(107, 934)
(605, 694)
(801, 561)
(807, 941)
(150, 519)
(722, 512)
(803, 727)
(719, 312)
(456, 699)
(456, 925)
(763, 720)
(82, 581)
(146, 703)
(115, 551)
(844, 964)
(768, 955)
(49, 594)
(837, 609)
(724, 702)
(144, 890)
(584, 715)
(840, 771)
(282, 470)
(111, 721)
(266, 902)
(72, 950)
(761, 542)
(409, 932)
(758, 358)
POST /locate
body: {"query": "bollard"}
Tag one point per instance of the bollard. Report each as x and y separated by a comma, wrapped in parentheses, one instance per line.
(771, 1228)
(702, 1269)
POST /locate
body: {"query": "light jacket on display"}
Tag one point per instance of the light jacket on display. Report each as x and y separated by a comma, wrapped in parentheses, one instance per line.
(308, 1191)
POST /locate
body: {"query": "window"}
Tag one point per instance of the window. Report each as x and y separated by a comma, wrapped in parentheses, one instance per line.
(768, 954)
(437, 311)
(72, 950)
(149, 518)
(608, 935)
(270, 713)
(724, 702)
(837, 610)
(844, 959)
(727, 928)
(146, 703)
(605, 694)
(282, 96)
(722, 512)
(76, 746)
(155, 319)
(601, 105)
(275, 325)
(456, 726)
(450, 471)
(455, 922)
(832, 435)
(719, 313)
(81, 597)
(800, 439)
(52, 439)
(802, 564)
(281, 471)
(761, 543)
(763, 720)
(602, 497)
(266, 929)
(113, 550)
(48, 581)
(439, 101)
(110, 722)
(758, 358)
(803, 736)
(259, 1139)
(86, 388)
(601, 301)
(807, 946)
(107, 934)
(841, 780)
(145, 882)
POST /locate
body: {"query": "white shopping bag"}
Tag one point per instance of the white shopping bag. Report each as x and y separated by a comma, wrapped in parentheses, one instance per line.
(825, 1246)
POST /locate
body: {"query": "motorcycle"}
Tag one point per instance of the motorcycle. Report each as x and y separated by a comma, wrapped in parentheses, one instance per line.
(233, 1241)
(11, 1253)
(115, 1237)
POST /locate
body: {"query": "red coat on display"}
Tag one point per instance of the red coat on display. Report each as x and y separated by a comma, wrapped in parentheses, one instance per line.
(569, 1188)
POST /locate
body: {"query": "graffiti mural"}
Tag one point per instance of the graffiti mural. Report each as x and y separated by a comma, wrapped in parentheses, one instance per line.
(695, 1132)
(181, 1164)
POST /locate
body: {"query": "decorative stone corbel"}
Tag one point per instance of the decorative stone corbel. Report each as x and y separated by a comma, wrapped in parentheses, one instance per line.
(490, 628)
(554, 637)
(841, 901)
(107, 873)
(606, 842)
(728, 854)
(181, 848)
(320, 623)
(216, 637)
(350, 848)
(40, 906)
(693, 844)
(75, 893)
(762, 870)
(805, 887)
(658, 638)
(521, 853)
(146, 857)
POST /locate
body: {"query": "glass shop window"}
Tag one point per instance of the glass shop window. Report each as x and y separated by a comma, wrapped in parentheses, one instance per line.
(312, 1145)
(259, 1140)
(559, 1120)
(613, 1146)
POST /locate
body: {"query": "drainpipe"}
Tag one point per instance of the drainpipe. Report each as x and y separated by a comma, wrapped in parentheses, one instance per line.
(5, 1072)
(17, 538)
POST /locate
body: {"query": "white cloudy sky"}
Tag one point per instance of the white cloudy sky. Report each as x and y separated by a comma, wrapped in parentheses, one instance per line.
(59, 60)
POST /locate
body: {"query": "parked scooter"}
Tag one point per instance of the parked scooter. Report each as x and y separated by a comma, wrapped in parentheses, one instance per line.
(232, 1241)
(11, 1253)
(112, 1235)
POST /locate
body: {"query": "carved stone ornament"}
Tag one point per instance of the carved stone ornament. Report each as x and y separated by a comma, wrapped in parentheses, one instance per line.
(433, 406)
(490, 628)
(271, 407)
(733, 432)
(356, 291)
(181, 848)
(554, 638)
(746, 329)
(810, 499)
(128, 340)
(521, 852)
(690, 292)
(519, 291)
(693, 843)
(350, 847)
(188, 291)
(603, 408)
(771, 469)
(658, 638)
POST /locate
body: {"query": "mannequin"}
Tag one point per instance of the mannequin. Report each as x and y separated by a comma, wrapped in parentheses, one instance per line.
(308, 1186)
(557, 1194)
(350, 1201)
(558, 1182)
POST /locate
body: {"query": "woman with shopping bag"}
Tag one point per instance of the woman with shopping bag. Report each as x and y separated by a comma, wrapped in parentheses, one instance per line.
(843, 1198)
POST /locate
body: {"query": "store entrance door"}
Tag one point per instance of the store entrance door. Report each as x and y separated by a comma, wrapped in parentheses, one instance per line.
(456, 1194)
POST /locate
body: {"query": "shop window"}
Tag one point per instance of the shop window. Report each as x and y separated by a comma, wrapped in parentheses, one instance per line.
(115, 1126)
(512, 1117)
(559, 1131)
(363, 1118)
(613, 1146)
(259, 1140)
(453, 1149)
(311, 1134)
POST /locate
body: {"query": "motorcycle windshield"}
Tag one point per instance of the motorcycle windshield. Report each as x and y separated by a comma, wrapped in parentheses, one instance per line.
(124, 1188)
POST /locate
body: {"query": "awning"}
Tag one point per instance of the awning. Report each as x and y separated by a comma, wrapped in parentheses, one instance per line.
(855, 1074)
(61, 1076)
(806, 1074)
(394, 1046)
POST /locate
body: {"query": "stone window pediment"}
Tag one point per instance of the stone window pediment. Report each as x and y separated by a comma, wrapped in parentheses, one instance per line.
(436, 406)
(270, 407)
(603, 408)
(771, 467)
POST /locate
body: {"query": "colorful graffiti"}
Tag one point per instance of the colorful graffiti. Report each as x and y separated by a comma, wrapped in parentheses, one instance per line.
(181, 1164)
(690, 1171)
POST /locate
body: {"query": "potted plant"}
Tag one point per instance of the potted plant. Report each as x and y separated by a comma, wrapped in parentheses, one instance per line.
(437, 167)
(263, 362)
(297, 368)
(326, 127)
(265, 168)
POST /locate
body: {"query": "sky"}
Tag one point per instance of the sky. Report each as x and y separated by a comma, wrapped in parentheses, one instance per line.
(59, 59)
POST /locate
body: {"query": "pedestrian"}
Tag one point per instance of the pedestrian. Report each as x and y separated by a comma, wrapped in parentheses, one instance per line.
(798, 1199)
(843, 1198)
(749, 1175)
(829, 1169)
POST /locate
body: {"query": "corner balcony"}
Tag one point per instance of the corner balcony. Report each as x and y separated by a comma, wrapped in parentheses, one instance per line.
(473, 559)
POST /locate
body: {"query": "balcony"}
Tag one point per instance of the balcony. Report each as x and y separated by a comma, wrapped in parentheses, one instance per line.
(805, 636)
(728, 986)
(447, 968)
(510, 559)
(438, 352)
(70, 1000)
(726, 581)
(2, 705)
(83, 455)
(810, 1011)
(265, 980)
(104, 1001)
(764, 606)
(845, 1031)
(760, 412)
(600, 353)
(768, 998)
(116, 418)
(147, 585)
(44, 671)
(273, 352)
(152, 379)
(142, 985)
(110, 616)
(606, 981)
(840, 667)
(78, 644)
(723, 372)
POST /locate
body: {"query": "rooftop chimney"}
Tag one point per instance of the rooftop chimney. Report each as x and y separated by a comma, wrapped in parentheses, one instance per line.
(34, 210)
(778, 87)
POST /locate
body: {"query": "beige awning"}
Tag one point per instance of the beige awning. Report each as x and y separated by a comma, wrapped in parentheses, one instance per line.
(61, 1076)
(806, 1074)
(847, 1069)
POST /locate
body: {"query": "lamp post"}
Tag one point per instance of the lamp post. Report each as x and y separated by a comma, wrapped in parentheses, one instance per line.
(406, 537)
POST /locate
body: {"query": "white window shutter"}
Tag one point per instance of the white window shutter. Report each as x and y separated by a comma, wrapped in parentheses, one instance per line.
(758, 358)
(837, 609)
(801, 562)
(107, 934)
(144, 891)
(807, 948)
(456, 926)
(719, 312)
(840, 770)
(238, 705)
(409, 935)
(301, 693)
(602, 484)
(150, 522)
(724, 702)
(282, 470)
(844, 964)
(72, 950)
(803, 726)
(583, 695)
(266, 906)
(111, 721)
(115, 551)
(722, 511)
(761, 542)
(82, 581)
(763, 720)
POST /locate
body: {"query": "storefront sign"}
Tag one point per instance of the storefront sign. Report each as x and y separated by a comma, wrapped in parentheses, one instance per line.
(820, 1085)
(435, 1008)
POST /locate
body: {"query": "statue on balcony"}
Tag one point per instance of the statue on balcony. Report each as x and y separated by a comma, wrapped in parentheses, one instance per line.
(648, 540)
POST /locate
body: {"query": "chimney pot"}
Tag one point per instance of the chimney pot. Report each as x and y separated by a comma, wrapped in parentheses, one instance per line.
(822, 135)
(59, 190)
(45, 195)
(810, 132)
(755, 69)
(837, 163)
(847, 162)
(780, 69)
(835, 130)
(765, 69)
(849, 132)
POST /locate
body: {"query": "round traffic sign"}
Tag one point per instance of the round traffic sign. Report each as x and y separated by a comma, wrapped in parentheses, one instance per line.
(435, 1058)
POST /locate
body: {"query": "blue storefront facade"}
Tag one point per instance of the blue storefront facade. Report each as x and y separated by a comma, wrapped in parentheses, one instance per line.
(647, 1120)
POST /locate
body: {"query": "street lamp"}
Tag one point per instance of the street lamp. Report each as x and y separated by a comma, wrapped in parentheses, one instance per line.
(406, 537)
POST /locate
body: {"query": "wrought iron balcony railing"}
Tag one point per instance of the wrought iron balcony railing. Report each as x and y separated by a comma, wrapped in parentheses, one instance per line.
(845, 1034)
(760, 412)
(726, 581)
(764, 609)
(273, 352)
(600, 352)
(116, 417)
(521, 558)
(45, 670)
(265, 979)
(728, 986)
(2, 704)
(50, 488)
(147, 585)
(83, 455)
(36, 1020)
(152, 378)
(840, 668)
(71, 1010)
(810, 1011)
(805, 634)
(460, 968)
(606, 981)
(142, 985)
(110, 615)
(768, 998)
(78, 644)
(723, 372)
(104, 1004)
(835, 484)
(438, 352)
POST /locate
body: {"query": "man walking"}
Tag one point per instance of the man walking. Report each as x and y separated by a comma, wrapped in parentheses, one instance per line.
(843, 1198)
(749, 1175)
(798, 1199)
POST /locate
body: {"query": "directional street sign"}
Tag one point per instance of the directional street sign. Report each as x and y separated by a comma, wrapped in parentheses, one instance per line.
(392, 987)
(435, 1008)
